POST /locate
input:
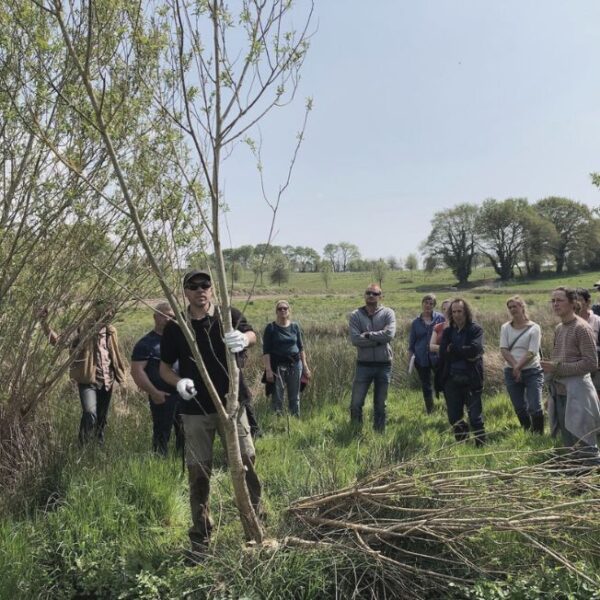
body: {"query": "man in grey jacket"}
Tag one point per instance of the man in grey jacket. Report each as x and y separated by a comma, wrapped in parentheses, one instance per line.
(372, 328)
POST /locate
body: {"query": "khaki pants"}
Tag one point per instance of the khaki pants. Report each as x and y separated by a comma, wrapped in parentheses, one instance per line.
(199, 438)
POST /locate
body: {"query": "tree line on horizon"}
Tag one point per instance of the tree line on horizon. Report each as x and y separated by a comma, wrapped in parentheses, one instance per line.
(279, 261)
(513, 236)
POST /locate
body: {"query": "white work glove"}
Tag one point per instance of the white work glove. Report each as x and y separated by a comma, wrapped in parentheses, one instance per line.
(236, 341)
(186, 389)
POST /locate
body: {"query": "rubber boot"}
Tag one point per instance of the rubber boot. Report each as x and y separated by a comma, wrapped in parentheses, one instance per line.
(525, 421)
(480, 437)
(429, 406)
(461, 431)
(537, 422)
(356, 418)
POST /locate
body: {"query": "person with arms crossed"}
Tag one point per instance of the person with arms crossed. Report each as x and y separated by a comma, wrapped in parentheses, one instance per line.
(461, 364)
(372, 328)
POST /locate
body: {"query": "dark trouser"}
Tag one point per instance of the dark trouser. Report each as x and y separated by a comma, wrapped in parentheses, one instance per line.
(199, 482)
(425, 377)
(381, 376)
(94, 406)
(457, 396)
(164, 418)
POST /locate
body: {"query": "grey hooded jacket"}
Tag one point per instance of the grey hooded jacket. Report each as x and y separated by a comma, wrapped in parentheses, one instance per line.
(380, 328)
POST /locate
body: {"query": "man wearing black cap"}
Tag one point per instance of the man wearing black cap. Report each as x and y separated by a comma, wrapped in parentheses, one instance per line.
(199, 416)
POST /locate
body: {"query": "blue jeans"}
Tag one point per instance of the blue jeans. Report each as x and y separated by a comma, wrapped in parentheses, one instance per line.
(380, 375)
(165, 418)
(94, 406)
(525, 395)
(287, 376)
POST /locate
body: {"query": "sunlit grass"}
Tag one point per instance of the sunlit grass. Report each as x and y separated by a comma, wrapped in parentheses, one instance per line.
(112, 522)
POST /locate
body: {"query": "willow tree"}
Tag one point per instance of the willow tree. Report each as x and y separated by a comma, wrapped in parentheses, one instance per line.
(232, 69)
(168, 90)
(58, 214)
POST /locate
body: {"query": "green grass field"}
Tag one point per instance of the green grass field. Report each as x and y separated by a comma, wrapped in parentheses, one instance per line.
(112, 522)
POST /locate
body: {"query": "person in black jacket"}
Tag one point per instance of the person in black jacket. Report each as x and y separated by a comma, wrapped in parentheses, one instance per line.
(461, 371)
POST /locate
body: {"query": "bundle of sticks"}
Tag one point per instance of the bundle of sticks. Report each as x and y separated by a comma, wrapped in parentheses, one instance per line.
(431, 522)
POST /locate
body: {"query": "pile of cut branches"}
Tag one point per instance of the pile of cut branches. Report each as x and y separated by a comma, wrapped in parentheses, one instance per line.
(431, 522)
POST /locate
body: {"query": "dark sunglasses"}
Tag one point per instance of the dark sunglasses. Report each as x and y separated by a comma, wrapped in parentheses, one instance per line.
(282, 308)
(205, 285)
(369, 293)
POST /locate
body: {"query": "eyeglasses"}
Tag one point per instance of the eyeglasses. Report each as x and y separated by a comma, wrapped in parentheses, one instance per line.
(369, 293)
(205, 285)
(282, 308)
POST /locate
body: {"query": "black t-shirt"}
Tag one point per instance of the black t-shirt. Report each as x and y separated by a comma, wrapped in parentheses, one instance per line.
(209, 336)
(148, 349)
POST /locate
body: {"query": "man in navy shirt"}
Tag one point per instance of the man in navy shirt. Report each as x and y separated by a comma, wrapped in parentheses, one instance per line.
(163, 398)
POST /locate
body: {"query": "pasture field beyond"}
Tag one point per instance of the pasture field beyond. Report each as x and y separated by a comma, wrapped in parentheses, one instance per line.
(112, 522)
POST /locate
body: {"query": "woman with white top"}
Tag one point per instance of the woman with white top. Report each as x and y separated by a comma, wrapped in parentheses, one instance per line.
(520, 347)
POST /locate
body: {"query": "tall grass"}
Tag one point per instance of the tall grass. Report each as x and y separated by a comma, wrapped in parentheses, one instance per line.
(112, 522)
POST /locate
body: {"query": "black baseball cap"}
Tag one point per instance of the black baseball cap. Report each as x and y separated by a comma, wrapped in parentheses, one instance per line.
(193, 274)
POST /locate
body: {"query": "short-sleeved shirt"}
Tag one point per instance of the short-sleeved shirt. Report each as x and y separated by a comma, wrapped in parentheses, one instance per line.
(283, 342)
(528, 342)
(209, 337)
(147, 349)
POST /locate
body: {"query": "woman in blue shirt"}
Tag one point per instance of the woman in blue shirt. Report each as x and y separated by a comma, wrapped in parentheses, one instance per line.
(418, 346)
(284, 359)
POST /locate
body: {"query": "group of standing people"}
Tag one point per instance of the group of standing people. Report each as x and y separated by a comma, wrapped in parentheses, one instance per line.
(570, 372)
(162, 365)
(446, 349)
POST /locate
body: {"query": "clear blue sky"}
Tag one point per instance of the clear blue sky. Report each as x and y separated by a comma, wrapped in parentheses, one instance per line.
(421, 105)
